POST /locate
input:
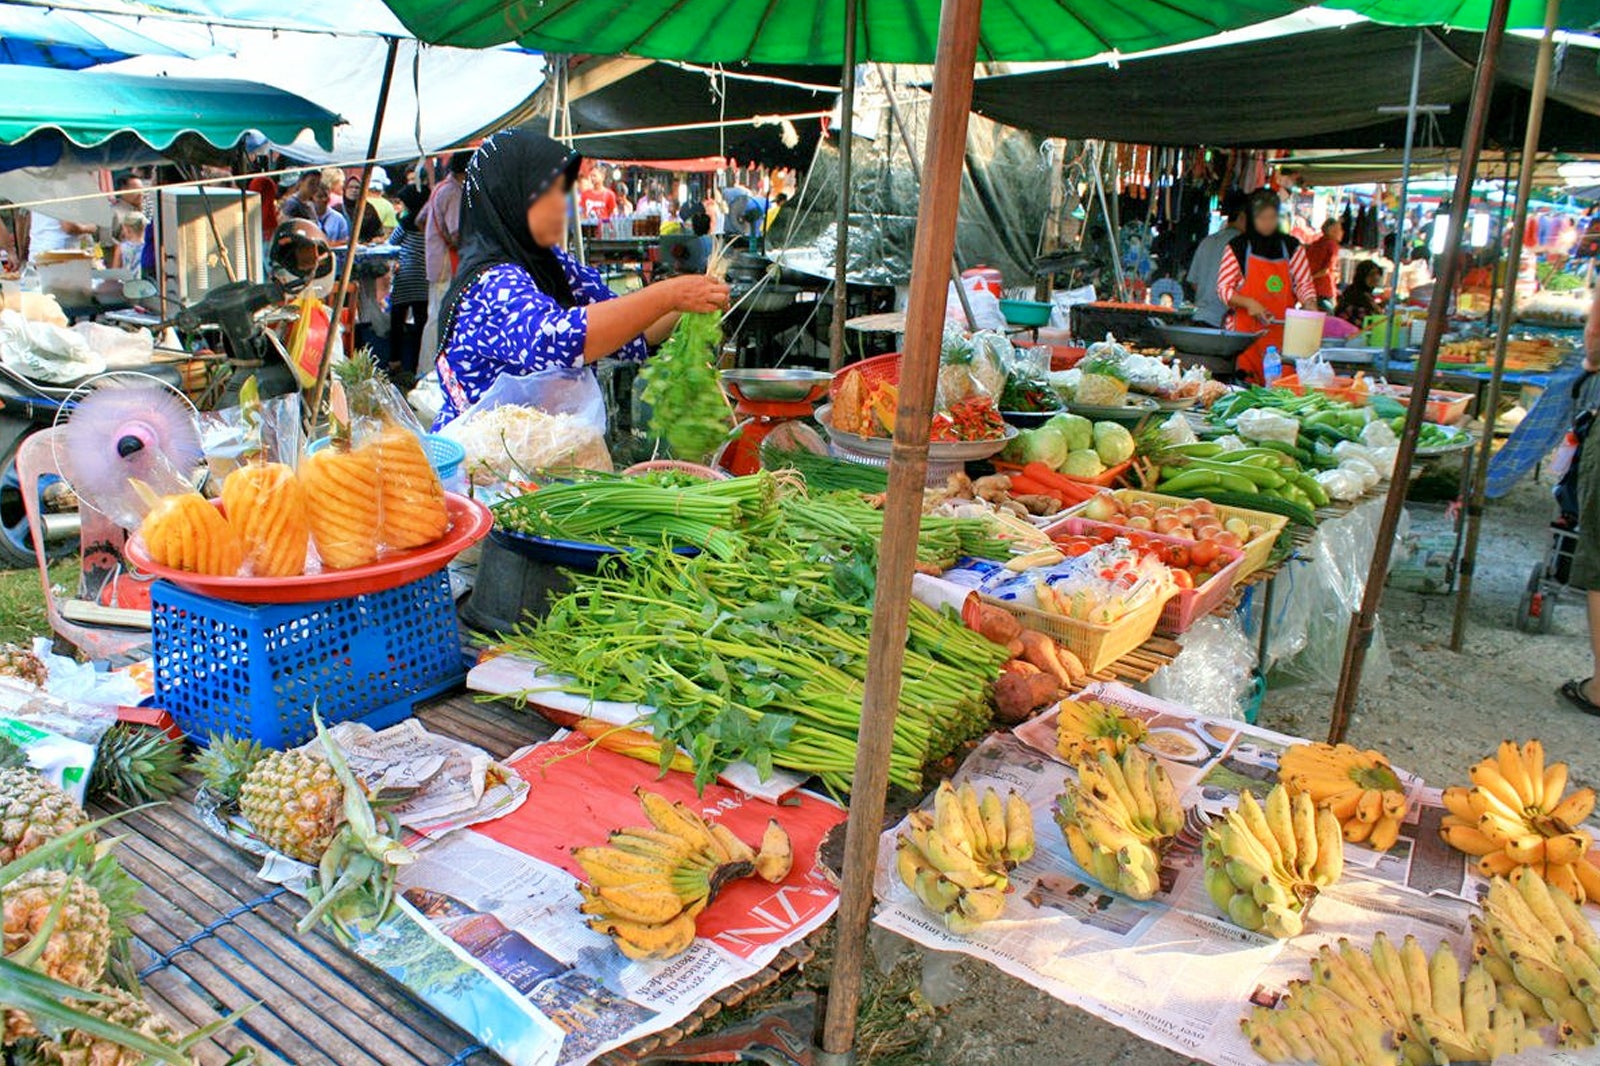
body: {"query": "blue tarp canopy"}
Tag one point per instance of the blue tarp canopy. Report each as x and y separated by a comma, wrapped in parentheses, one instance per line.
(72, 40)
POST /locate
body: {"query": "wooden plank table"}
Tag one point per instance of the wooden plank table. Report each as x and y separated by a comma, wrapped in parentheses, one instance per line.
(214, 939)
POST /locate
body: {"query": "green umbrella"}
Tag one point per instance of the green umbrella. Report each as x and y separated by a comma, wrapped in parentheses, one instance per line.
(810, 31)
(1576, 15)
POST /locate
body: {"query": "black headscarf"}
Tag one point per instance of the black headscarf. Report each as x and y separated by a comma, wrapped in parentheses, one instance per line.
(1268, 246)
(414, 200)
(507, 173)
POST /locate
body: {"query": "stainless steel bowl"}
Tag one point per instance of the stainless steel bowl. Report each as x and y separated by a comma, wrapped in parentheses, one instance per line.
(780, 385)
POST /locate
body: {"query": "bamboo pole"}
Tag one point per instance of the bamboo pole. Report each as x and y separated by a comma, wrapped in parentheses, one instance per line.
(314, 411)
(1362, 624)
(841, 250)
(908, 465)
(1502, 331)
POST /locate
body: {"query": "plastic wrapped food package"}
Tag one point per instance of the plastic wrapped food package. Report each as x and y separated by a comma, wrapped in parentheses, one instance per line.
(1260, 423)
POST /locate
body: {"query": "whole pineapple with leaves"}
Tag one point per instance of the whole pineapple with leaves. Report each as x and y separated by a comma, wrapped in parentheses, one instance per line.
(75, 1047)
(292, 799)
(78, 944)
(33, 812)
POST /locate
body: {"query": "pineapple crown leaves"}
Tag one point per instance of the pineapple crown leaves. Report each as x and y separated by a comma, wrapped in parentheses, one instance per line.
(226, 762)
(12, 757)
(136, 762)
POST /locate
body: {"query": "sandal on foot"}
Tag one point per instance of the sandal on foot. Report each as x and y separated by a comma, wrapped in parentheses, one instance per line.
(1573, 691)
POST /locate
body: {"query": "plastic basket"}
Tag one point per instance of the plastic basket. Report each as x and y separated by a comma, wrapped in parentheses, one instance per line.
(444, 454)
(1096, 647)
(1343, 388)
(1183, 609)
(258, 671)
(1257, 551)
(880, 368)
(1444, 408)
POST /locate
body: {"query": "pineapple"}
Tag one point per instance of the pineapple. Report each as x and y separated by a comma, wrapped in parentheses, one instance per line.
(32, 811)
(12, 757)
(79, 944)
(22, 664)
(292, 799)
(74, 1047)
(412, 505)
(134, 763)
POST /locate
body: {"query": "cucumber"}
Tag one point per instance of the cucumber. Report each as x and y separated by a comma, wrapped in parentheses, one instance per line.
(1259, 476)
(1297, 513)
(1188, 481)
(1312, 488)
(1299, 455)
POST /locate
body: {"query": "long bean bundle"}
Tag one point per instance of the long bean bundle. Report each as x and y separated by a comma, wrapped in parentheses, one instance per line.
(848, 518)
(761, 659)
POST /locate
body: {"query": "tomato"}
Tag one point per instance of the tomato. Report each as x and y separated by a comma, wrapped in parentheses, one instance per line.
(1107, 534)
(1137, 540)
(1203, 553)
(1182, 579)
(1178, 556)
(1075, 549)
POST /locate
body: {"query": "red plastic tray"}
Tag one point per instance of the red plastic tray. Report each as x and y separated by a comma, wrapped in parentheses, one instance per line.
(470, 522)
(1188, 605)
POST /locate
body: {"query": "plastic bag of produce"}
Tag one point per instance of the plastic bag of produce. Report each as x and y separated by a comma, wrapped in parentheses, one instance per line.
(1027, 386)
(1260, 423)
(1212, 674)
(1315, 372)
(1177, 430)
(968, 367)
(1362, 469)
(1378, 434)
(262, 495)
(1341, 484)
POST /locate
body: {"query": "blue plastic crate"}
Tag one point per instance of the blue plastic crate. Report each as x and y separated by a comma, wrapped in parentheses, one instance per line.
(258, 670)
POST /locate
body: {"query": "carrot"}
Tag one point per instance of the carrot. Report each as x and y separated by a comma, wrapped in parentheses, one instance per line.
(1022, 485)
(1069, 490)
(1037, 471)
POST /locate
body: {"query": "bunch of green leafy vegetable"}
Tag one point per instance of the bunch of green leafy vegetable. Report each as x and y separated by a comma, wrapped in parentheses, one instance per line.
(680, 383)
(762, 659)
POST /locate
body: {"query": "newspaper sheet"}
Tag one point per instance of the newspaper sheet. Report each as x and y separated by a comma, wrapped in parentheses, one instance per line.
(1171, 970)
(544, 987)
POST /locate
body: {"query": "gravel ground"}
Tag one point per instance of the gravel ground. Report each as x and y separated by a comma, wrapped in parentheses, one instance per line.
(1439, 712)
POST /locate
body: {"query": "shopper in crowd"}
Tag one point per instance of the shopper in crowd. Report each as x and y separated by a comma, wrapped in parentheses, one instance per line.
(128, 252)
(619, 189)
(774, 210)
(1360, 297)
(1209, 310)
(1585, 573)
(301, 200)
(408, 299)
(378, 200)
(1323, 256)
(334, 225)
(520, 304)
(267, 189)
(596, 203)
(52, 234)
(1263, 273)
(653, 203)
(441, 228)
(333, 182)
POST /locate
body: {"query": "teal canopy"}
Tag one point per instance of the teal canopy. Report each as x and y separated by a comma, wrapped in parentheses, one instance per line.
(811, 31)
(90, 107)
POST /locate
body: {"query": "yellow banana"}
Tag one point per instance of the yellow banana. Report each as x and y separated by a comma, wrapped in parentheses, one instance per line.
(1577, 926)
(647, 841)
(950, 823)
(1526, 901)
(1344, 804)
(1581, 971)
(1394, 805)
(1370, 809)
(1491, 784)
(1444, 981)
(1571, 1018)
(1415, 962)
(1508, 760)
(1281, 922)
(908, 862)
(972, 814)
(1571, 811)
(1330, 849)
(649, 905)
(612, 867)
(674, 818)
(982, 904)
(1457, 801)
(1255, 819)
(1019, 829)
(1303, 813)
(1111, 773)
(1356, 831)
(1588, 876)
(1385, 831)
(1533, 770)
(946, 856)
(1280, 820)
(1079, 844)
(1555, 784)
(1466, 838)
(1244, 912)
(1387, 964)
(1526, 850)
(1136, 774)
(1169, 808)
(936, 892)
(1562, 878)
(1541, 979)
(738, 850)
(993, 811)
(1496, 864)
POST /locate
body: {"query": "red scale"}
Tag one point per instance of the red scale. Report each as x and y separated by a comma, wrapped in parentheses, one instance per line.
(764, 400)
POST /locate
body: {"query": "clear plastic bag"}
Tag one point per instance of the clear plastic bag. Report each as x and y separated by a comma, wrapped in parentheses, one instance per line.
(412, 510)
(1212, 674)
(262, 493)
(1260, 423)
(1315, 372)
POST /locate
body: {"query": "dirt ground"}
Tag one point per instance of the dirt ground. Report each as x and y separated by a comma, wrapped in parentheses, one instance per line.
(1439, 712)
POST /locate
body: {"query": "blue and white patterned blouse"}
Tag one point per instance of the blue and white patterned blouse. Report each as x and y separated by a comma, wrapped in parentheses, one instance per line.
(504, 324)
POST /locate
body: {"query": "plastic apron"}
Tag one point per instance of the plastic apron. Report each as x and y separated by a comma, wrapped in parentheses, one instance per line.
(1267, 282)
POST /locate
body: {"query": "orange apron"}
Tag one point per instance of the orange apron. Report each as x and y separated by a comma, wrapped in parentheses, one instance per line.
(1266, 281)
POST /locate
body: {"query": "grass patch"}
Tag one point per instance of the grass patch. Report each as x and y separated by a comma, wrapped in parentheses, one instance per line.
(22, 614)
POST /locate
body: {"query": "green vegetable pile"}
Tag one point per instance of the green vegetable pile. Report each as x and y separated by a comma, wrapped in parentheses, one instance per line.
(646, 512)
(680, 384)
(825, 472)
(763, 659)
(842, 523)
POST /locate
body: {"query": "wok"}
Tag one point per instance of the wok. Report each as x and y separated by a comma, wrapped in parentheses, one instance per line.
(1198, 340)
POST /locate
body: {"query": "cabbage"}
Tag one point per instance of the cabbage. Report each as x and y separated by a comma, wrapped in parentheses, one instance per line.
(1043, 445)
(1076, 430)
(1113, 443)
(1083, 464)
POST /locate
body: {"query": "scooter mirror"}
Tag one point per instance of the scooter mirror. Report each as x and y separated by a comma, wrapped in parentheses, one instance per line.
(300, 253)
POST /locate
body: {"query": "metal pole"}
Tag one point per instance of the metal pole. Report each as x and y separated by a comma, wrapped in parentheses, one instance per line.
(1111, 227)
(1362, 624)
(841, 251)
(1502, 332)
(916, 172)
(1400, 221)
(314, 411)
(908, 468)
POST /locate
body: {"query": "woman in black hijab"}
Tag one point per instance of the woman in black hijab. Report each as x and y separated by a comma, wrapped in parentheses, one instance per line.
(519, 303)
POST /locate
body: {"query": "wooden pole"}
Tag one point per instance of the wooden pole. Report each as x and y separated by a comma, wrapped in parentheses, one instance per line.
(908, 465)
(1502, 331)
(841, 251)
(1362, 624)
(314, 411)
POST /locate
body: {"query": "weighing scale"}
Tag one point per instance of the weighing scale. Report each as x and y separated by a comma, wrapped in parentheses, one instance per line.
(765, 399)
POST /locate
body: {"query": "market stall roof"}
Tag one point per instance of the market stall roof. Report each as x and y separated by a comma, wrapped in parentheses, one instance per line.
(634, 95)
(1361, 167)
(811, 31)
(88, 108)
(73, 40)
(1181, 98)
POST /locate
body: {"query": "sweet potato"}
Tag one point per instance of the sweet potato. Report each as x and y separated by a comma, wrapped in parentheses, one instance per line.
(1017, 695)
(996, 624)
(1041, 651)
(1019, 666)
(1073, 664)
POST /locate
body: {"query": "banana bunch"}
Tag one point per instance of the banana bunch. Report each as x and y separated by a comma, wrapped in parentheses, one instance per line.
(1360, 787)
(1119, 818)
(647, 886)
(1359, 1005)
(1086, 727)
(1263, 866)
(1515, 816)
(956, 859)
(1542, 954)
